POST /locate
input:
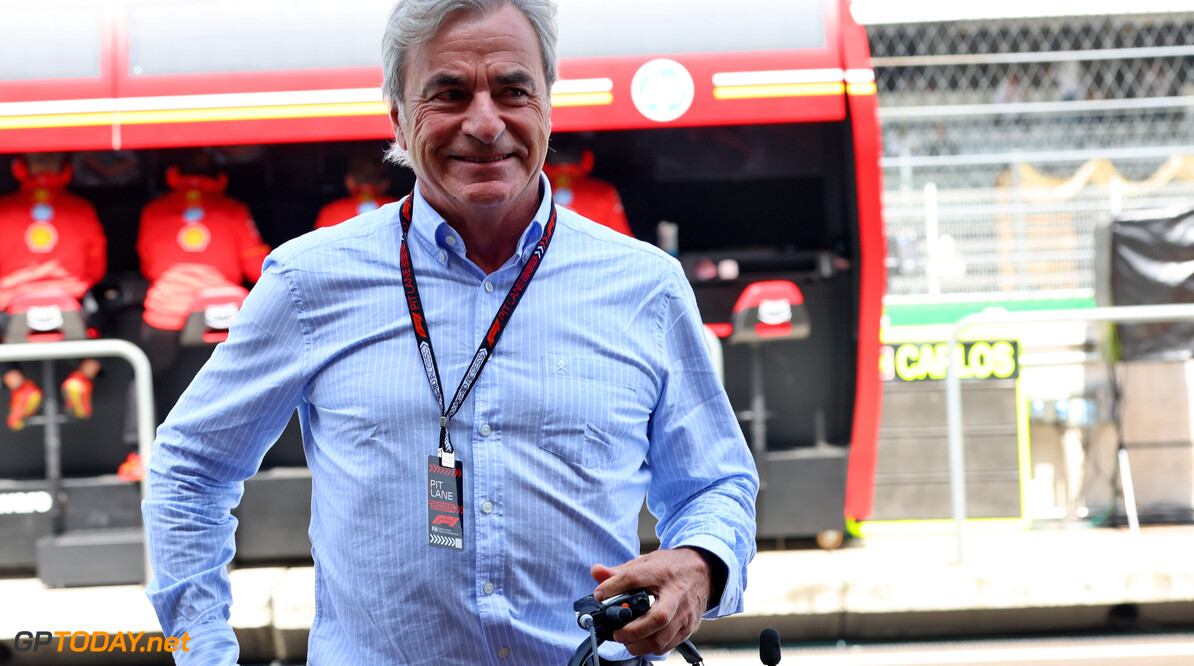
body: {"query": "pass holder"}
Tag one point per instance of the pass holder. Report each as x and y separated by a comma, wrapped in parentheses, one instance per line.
(445, 503)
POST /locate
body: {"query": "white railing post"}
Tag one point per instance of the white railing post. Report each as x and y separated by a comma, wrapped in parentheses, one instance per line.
(1020, 224)
(1115, 190)
(932, 235)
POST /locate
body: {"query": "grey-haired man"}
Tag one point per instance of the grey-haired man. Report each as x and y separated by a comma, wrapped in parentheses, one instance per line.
(465, 492)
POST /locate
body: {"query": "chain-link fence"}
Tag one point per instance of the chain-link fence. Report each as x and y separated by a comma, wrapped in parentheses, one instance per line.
(1033, 60)
(1006, 141)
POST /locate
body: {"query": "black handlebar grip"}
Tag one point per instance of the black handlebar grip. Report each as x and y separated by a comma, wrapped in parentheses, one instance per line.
(621, 615)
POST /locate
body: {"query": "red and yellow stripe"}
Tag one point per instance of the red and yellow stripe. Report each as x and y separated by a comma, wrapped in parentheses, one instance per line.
(242, 107)
(793, 83)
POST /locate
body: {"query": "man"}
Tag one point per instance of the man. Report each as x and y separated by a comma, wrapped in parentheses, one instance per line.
(49, 239)
(366, 183)
(588, 392)
(192, 238)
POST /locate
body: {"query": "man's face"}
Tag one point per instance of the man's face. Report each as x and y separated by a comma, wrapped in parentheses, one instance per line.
(477, 113)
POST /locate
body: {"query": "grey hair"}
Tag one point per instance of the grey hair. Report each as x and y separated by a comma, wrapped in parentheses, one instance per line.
(414, 22)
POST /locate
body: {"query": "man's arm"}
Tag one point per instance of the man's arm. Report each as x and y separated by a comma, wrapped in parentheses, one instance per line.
(213, 440)
(703, 488)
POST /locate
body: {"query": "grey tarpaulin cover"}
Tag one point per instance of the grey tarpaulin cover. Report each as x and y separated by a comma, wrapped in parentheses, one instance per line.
(1152, 263)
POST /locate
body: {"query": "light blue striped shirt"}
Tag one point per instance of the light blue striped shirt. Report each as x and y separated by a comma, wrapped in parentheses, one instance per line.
(600, 390)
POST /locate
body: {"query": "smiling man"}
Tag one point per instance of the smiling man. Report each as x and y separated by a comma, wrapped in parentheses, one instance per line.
(474, 119)
(488, 387)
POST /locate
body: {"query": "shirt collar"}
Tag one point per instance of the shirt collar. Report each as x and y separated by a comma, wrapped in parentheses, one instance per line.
(433, 231)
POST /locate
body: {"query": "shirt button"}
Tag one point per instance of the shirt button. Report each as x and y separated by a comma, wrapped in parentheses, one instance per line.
(488, 588)
(485, 430)
(487, 507)
(504, 652)
(450, 240)
(441, 256)
(489, 287)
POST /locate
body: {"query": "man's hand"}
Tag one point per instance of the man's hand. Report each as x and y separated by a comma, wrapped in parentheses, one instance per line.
(680, 581)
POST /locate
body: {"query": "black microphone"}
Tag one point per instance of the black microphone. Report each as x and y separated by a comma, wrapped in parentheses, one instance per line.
(769, 647)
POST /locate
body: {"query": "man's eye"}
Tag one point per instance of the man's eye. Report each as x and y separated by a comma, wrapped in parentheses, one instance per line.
(449, 95)
(516, 92)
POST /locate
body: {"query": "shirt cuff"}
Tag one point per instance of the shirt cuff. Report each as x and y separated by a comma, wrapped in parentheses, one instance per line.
(208, 644)
(717, 576)
(728, 600)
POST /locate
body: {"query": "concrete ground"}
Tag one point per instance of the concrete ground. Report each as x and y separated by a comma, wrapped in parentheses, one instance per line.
(913, 586)
(882, 587)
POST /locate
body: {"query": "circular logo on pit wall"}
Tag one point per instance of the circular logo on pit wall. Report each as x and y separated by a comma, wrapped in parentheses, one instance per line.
(194, 237)
(662, 90)
(41, 237)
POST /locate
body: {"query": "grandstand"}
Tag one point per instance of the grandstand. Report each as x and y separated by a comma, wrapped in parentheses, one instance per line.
(1006, 140)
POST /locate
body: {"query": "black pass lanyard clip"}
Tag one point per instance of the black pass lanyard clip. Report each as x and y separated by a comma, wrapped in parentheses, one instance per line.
(447, 455)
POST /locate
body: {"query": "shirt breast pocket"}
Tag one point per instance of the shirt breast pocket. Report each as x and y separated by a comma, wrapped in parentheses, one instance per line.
(591, 417)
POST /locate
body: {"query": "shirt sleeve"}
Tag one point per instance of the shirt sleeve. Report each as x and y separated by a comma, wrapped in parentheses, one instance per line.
(704, 481)
(213, 440)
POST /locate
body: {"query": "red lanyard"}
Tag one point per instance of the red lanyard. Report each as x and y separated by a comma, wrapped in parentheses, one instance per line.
(485, 350)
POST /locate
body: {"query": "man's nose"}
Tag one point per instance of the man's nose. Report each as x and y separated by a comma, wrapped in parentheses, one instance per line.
(483, 122)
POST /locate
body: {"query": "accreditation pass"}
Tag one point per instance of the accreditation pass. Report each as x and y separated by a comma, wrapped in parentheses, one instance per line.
(445, 504)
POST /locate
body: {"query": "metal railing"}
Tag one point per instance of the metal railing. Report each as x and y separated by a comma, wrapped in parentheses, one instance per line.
(1134, 314)
(1008, 242)
(143, 396)
(142, 375)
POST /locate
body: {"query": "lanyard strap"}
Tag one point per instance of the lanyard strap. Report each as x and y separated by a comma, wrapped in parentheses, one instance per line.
(485, 349)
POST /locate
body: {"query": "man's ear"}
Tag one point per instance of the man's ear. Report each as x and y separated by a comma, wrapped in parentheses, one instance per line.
(399, 134)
